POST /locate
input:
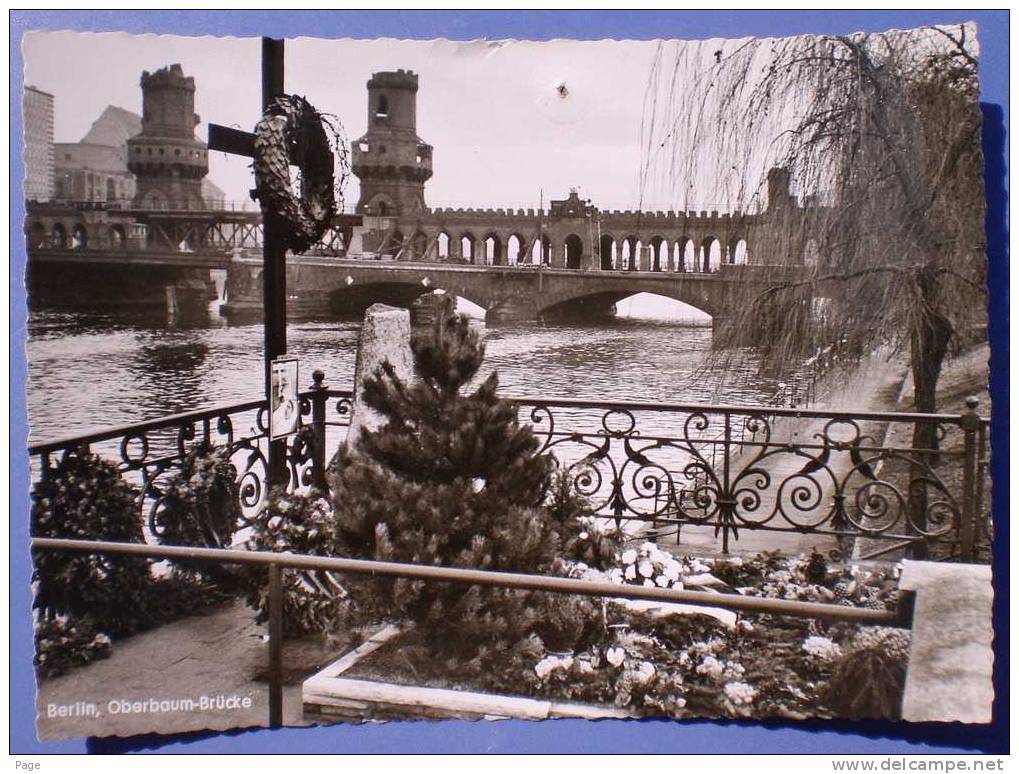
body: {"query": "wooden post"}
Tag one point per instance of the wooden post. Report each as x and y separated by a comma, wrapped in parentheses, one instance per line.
(275, 647)
(274, 284)
(318, 423)
(274, 277)
(970, 424)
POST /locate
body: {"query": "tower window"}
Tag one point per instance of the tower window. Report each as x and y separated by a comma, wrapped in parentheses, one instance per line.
(382, 107)
(363, 147)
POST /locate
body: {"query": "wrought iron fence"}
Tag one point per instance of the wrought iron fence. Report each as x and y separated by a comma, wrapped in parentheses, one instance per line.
(727, 469)
(149, 453)
(740, 468)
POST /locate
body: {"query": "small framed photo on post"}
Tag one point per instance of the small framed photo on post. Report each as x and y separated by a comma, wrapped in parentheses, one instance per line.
(285, 406)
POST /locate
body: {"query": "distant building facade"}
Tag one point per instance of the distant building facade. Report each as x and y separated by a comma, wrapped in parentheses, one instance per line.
(38, 127)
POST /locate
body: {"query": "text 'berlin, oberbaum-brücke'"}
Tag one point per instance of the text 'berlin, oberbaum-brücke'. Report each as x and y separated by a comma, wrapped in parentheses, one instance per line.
(154, 214)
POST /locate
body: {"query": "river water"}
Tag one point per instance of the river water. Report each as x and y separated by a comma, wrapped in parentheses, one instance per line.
(90, 369)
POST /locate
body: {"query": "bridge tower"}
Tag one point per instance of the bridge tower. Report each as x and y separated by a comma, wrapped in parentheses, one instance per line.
(390, 160)
(167, 160)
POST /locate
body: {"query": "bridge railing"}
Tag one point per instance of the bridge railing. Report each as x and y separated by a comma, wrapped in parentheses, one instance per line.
(724, 470)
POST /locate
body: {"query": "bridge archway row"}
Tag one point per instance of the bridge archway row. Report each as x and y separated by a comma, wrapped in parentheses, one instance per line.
(75, 233)
(664, 250)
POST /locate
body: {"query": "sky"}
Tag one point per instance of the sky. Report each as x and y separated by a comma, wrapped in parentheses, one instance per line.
(503, 134)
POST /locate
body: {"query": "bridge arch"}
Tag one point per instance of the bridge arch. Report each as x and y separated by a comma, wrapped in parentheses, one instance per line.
(738, 255)
(514, 249)
(601, 301)
(79, 237)
(351, 301)
(493, 250)
(711, 254)
(573, 249)
(393, 245)
(627, 253)
(118, 239)
(35, 236)
(380, 204)
(659, 254)
(541, 251)
(467, 247)
(607, 252)
(688, 255)
(419, 245)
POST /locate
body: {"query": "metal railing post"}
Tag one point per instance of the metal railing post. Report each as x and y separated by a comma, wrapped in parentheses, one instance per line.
(970, 424)
(275, 647)
(318, 425)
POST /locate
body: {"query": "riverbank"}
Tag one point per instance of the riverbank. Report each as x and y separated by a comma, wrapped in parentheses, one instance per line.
(962, 378)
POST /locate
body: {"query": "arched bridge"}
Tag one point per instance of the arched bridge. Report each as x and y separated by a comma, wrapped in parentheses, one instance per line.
(323, 285)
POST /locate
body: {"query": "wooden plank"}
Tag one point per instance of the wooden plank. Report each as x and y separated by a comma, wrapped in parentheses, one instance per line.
(410, 698)
(223, 138)
(373, 643)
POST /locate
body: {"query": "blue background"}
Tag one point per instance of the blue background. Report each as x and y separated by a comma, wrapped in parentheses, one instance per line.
(523, 736)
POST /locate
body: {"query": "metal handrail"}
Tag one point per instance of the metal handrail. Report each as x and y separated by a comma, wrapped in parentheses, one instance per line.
(160, 423)
(108, 433)
(721, 408)
(275, 562)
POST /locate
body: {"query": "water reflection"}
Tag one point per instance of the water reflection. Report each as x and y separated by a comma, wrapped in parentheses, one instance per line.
(91, 369)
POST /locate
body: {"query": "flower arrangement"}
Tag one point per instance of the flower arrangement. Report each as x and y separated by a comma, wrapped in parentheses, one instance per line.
(61, 645)
(298, 523)
(764, 666)
(85, 497)
(199, 506)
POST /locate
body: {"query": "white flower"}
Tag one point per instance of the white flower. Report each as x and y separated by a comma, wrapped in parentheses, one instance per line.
(732, 669)
(615, 656)
(649, 583)
(550, 664)
(671, 570)
(646, 569)
(585, 667)
(822, 648)
(583, 536)
(615, 575)
(629, 556)
(630, 573)
(662, 581)
(711, 667)
(643, 673)
(739, 693)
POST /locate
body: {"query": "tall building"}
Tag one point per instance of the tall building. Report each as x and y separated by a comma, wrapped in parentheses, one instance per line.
(390, 160)
(168, 161)
(38, 126)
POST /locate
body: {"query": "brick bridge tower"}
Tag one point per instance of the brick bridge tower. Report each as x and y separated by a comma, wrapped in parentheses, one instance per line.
(166, 158)
(390, 160)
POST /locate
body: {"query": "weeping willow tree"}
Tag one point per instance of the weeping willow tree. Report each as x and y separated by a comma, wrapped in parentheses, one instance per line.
(878, 136)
